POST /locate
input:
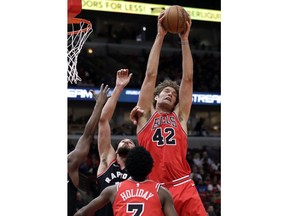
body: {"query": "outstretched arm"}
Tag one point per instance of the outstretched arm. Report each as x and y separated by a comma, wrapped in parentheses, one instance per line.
(106, 151)
(186, 85)
(78, 155)
(106, 196)
(146, 93)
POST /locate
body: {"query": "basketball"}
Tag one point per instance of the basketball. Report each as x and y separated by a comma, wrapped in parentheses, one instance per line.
(175, 18)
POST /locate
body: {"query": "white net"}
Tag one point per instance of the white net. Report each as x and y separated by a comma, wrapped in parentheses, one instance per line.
(78, 32)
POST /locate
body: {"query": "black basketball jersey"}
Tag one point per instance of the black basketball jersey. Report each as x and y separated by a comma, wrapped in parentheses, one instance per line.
(72, 197)
(111, 176)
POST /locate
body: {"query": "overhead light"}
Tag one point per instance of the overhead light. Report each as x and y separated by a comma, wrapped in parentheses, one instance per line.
(89, 50)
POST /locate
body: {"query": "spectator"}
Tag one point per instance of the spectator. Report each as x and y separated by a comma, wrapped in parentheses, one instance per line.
(200, 128)
(201, 186)
(197, 160)
(210, 211)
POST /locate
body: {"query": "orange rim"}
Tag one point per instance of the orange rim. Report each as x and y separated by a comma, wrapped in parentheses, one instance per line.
(78, 21)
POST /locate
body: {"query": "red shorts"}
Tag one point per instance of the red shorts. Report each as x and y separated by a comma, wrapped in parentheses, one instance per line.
(187, 201)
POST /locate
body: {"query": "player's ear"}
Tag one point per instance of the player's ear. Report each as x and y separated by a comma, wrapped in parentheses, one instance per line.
(156, 97)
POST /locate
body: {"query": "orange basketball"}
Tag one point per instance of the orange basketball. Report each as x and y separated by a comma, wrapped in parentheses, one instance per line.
(175, 18)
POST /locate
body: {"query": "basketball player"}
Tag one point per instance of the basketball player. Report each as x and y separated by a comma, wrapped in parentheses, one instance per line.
(162, 127)
(81, 150)
(137, 195)
(112, 163)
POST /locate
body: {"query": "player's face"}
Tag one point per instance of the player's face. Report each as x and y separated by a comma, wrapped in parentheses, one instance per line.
(167, 97)
(127, 143)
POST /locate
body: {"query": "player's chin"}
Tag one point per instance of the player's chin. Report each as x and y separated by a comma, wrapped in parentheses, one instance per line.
(123, 151)
(168, 105)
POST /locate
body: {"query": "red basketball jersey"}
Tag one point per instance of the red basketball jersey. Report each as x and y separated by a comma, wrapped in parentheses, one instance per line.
(165, 139)
(137, 198)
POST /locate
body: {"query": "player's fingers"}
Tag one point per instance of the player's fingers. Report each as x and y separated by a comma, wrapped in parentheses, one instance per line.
(101, 87)
(133, 110)
(106, 87)
(161, 14)
(93, 92)
(107, 90)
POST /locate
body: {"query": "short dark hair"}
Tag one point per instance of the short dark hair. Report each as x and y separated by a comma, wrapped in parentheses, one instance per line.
(139, 163)
(164, 84)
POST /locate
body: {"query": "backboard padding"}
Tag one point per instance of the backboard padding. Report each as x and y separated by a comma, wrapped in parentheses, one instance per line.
(74, 8)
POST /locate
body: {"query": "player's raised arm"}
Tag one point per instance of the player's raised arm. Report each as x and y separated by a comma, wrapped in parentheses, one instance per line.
(186, 85)
(106, 151)
(146, 93)
(78, 155)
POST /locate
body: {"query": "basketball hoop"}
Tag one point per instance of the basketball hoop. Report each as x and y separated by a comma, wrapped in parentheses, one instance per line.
(78, 32)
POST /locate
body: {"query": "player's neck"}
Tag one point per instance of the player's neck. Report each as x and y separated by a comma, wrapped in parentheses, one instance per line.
(121, 161)
(164, 109)
(138, 181)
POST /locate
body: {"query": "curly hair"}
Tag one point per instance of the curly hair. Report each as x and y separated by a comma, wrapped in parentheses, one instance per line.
(139, 163)
(164, 84)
